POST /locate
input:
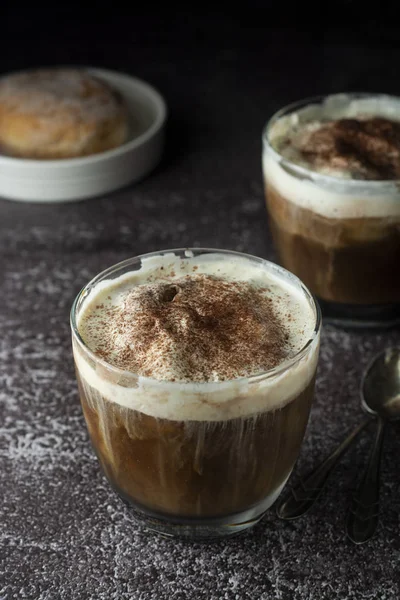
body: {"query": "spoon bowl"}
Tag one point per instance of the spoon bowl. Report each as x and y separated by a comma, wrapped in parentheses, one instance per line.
(380, 386)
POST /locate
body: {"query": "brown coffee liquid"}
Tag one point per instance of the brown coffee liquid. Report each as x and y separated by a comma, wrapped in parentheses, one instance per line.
(352, 261)
(195, 468)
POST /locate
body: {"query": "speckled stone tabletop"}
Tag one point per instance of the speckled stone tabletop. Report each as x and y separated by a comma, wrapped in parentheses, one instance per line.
(64, 533)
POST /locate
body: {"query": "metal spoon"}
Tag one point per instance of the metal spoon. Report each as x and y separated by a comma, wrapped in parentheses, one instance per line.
(380, 396)
(307, 491)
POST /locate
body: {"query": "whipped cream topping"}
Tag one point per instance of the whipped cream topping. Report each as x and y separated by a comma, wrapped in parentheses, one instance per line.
(195, 328)
(360, 148)
(178, 355)
(351, 140)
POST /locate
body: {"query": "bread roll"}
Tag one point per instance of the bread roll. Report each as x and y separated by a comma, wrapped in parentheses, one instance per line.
(59, 113)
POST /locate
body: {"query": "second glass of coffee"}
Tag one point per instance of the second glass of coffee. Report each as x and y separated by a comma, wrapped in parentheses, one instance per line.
(332, 179)
(196, 374)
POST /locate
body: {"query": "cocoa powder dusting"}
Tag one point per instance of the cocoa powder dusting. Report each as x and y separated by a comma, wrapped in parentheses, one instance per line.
(368, 148)
(196, 328)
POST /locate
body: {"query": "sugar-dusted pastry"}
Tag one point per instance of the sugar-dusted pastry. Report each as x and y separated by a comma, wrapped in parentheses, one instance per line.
(59, 113)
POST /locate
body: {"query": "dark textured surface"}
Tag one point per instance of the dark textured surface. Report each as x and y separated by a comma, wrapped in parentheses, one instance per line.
(64, 534)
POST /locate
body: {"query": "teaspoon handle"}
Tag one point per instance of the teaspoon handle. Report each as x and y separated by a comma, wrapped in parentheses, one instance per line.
(306, 492)
(364, 513)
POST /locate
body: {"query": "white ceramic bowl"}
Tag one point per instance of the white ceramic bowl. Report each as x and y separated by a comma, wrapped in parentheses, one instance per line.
(78, 178)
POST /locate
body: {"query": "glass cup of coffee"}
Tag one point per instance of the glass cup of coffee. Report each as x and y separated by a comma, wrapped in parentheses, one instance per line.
(196, 375)
(332, 179)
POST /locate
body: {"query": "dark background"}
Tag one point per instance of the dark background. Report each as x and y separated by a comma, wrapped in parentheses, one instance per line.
(223, 73)
(294, 47)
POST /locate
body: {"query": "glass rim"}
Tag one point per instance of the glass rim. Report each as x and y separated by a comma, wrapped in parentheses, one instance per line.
(283, 366)
(305, 171)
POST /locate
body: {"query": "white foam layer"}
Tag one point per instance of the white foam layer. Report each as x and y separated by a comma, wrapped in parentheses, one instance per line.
(327, 193)
(217, 401)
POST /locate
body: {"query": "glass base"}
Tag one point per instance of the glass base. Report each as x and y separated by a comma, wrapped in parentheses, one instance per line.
(200, 529)
(356, 316)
